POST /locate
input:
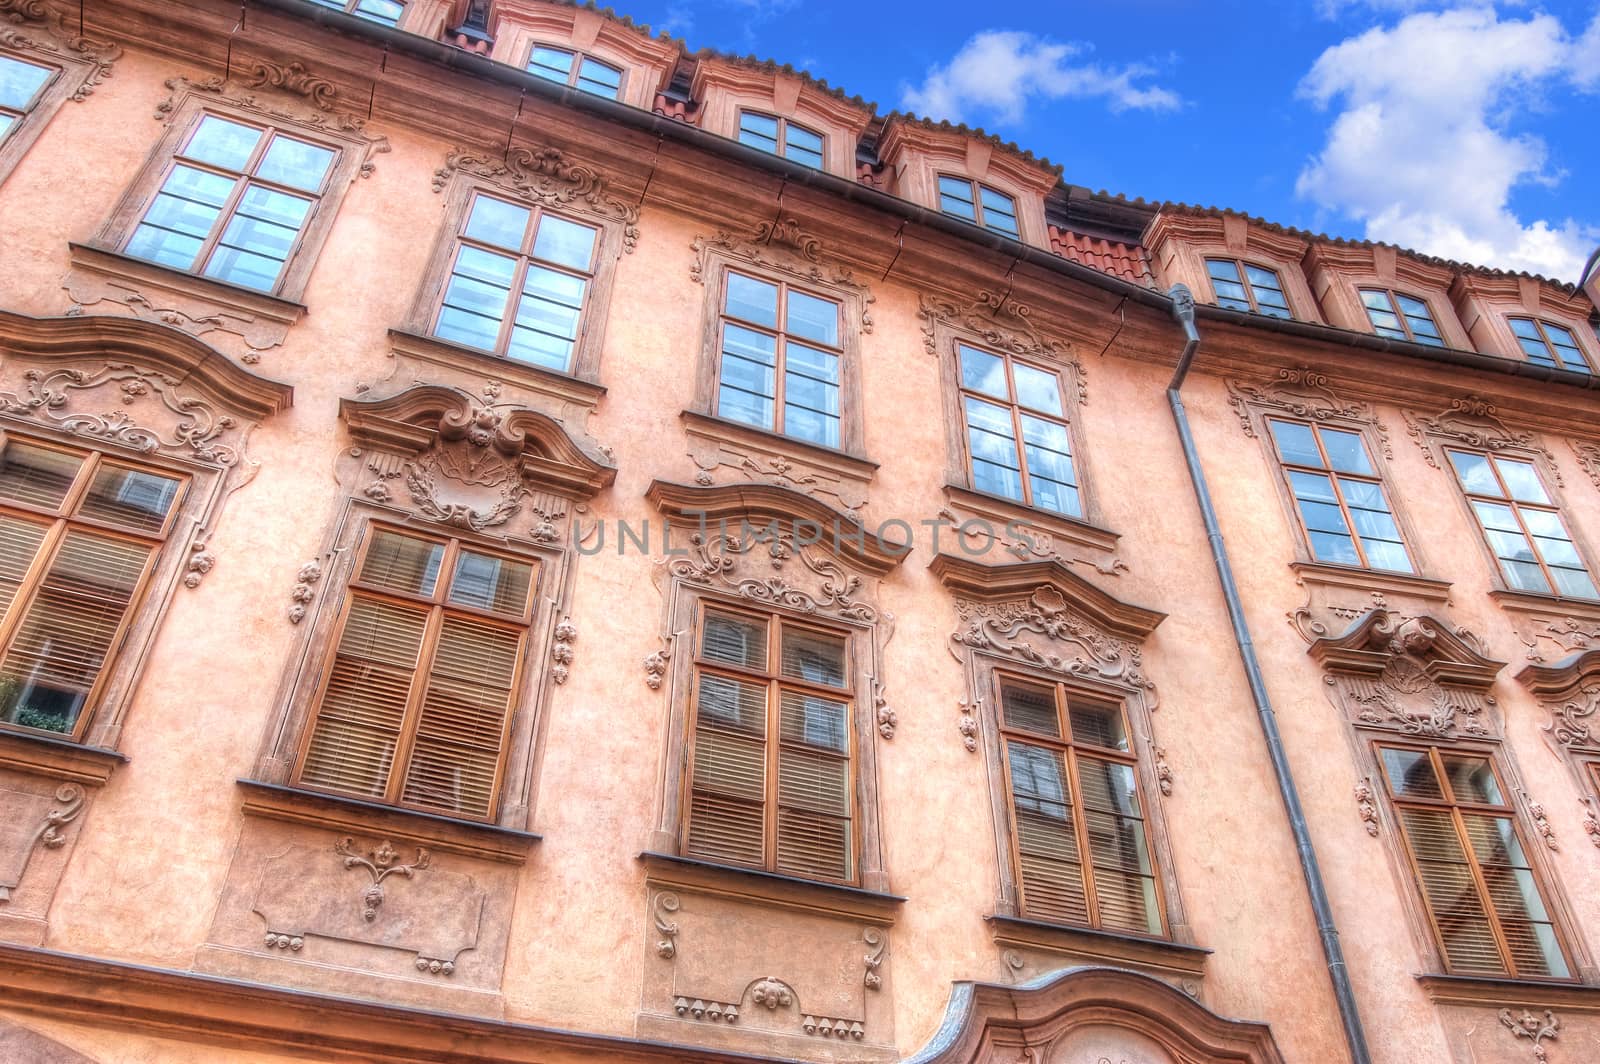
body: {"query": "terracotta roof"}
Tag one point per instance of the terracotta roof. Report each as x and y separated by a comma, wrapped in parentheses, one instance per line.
(1131, 262)
(772, 66)
(624, 20)
(976, 132)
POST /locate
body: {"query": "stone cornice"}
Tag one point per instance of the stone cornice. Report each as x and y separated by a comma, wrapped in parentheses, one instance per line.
(713, 73)
(901, 134)
(1377, 636)
(1211, 232)
(982, 582)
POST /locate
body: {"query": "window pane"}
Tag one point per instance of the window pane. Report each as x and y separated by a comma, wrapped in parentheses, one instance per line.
(1030, 708)
(1474, 472)
(734, 639)
(387, 12)
(1521, 480)
(1411, 773)
(403, 563)
(20, 82)
(499, 584)
(803, 146)
(599, 79)
(222, 143)
(815, 721)
(1098, 725)
(764, 126)
(1046, 838)
(1471, 779)
(1346, 452)
(814, 657)
(20, 540)
(983, 372)
(455, 753)
(1037, 389)
(564, 243)
(295, 163)
(1574, 582)
(1297, 444)
(497, 222)
(813, 318)
(37, 476)
(752, 300)
(129, 498)
(553, 64)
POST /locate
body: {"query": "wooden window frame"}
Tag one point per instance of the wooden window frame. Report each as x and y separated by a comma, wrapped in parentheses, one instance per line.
(1249, 288)
(1543, 325)
(852, 308)
(351, 151)
(783, 134)
(777, 625)
(61, 520)
(67, 77)
(1016, 409)
(1515, 505)
(1392, 294)
(1509, 812)
(978, 188)
(429, 300)
(1377, 477)
(438, 607)
(349, 7)
(573, 76)
(1063, 693)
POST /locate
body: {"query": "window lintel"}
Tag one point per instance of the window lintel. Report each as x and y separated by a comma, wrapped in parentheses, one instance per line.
(1375, 638)
(1049, 585)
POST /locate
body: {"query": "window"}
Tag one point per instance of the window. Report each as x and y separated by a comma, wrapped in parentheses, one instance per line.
(1079, 845)
(79, 535)
(779, 136)
(577, 69)
(1522, 525)
(517, 283)
(1241, 286)
(780, 359)
(1482, 897)
(385, 12)
(770, 783)
(417, 701)
(234, 203)
(1400, 317)
(21, 85)
(1548, 344)
(1004, 400)
(978, 204)
(1340, 496)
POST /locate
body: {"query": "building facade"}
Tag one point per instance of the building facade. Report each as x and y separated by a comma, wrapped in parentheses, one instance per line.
(522, 542)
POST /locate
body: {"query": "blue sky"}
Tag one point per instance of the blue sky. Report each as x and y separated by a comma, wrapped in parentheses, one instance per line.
(1468, 130)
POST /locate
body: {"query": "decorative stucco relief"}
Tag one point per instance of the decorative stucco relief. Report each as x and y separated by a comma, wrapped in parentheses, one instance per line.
(1536, 1029)
(1588, 458)
(786, 245)
(41, 28)
(1541, 822)
(303, 592)
(770, 569)
(33, 821)
(318, 104)
(1472, 421)
(751, 461)
(546, 176)
(1300, 392)
(1003, 323)
(561, 652)
(1367, 803)
(982, 534)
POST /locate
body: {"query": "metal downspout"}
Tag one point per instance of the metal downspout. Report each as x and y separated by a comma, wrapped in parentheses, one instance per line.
(1343, 992)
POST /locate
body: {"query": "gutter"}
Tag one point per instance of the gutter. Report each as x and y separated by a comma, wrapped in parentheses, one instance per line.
(1183, 309)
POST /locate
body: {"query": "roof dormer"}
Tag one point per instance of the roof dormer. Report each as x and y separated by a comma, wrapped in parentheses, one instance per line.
(779, 111)
(1523, 317)
(968, 175)
(585, 49)
(1234, 261)
(1376, 288)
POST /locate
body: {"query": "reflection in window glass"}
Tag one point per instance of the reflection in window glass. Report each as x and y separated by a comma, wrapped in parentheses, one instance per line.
(786, 377)
(1522, 525)
(1339, 496)
(1018, 443)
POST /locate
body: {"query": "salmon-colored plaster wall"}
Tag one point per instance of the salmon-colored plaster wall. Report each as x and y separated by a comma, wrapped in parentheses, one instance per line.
(154, 850)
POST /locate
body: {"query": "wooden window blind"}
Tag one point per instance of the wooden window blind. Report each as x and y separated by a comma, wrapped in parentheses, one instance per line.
(1005, 403)
(79, 535)
(416, 704)
(1482, 896)
(771, 784)
(1522, 525)
(1080, 848)
(1339, 496)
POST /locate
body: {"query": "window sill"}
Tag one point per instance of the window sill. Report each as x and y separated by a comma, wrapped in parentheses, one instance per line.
(1496, 993)
(42, 755)
(1002, 511)
(431, 349)
(670, 870)
(246, 302)
(1546, 605)
(1354, 578)
(841, 461)
(1163, 955)
(294, 805)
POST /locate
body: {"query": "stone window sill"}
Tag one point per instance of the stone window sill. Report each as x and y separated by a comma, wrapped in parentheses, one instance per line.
(847, 462)
(456, 356)
(63, 759)
(670, 870)
(1546, 605)
(338, 813)
(1002, 511)
(1354, 578)
(237, 298)
(1497, 993)
(1177, 958)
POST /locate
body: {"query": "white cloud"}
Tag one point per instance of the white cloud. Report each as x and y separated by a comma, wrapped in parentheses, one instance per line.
(998, 72)
(1423, 151)
(1586, 57)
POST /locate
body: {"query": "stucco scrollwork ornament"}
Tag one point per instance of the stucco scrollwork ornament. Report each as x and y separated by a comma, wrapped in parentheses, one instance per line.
(666, 904)
(1085, 650)
(199, 563)
(561, 654)
(1591, 822)
(380, 863)
(1473, 421)
(147, 410)
(1163, 770)
(69, 799)
(967, 723)
(771, 993)
(786, 245)
(1368, 806)
(1565, 635)
(545, 175)
(1588, 458)
(1300, 392)
(1535, 1029)
(1541, 822)
(888, 719)
(817, 585)
(876, 942)
(978, 536)
(1005, 324)
(41, 28)
(655, 665)
(304, 590)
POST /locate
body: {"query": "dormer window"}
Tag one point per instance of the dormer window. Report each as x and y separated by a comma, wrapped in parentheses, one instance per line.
(383, 12)
(1253, 289)
(979, 204)
(1548, 344)
(1401, 317)
(574, 68)
(779, 136)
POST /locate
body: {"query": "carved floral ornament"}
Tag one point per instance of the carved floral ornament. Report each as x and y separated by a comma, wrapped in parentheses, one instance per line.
(546, 176)
(1004, 324)
(41, 28)
(1473, 421)
(1525, 1024)
(1301, 392)
(786, 245)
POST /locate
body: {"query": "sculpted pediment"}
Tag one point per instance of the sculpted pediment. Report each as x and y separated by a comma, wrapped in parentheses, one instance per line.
(1379, 642)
